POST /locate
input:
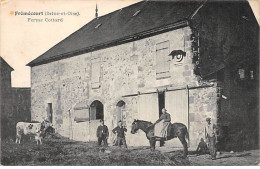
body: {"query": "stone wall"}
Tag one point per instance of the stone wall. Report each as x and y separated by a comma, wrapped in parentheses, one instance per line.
(202, 104)
(125, 69)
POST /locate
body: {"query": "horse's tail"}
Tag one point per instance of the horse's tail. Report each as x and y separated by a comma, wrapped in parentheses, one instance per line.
(187, 137)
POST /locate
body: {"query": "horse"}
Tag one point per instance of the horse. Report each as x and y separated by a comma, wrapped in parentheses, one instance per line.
(174, 130)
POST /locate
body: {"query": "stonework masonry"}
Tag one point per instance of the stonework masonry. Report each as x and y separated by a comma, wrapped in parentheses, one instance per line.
(125, 69)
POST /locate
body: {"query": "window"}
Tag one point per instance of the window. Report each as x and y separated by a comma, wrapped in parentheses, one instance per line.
(137, 12)
(96, 110)
(95, 73)
(50, 112)
(98, 26)
(120, 112)
(162, 60)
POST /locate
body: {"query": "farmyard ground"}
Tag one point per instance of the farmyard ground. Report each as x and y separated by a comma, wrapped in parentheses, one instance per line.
(63, 152)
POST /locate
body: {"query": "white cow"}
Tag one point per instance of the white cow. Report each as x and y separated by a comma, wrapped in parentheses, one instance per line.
(36, 129)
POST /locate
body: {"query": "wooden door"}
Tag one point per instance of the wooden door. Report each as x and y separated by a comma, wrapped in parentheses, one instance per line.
(176, 103)
(148, 111)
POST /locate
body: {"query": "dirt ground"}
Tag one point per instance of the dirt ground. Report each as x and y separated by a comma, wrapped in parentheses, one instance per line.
(64, 152)
(246, 158)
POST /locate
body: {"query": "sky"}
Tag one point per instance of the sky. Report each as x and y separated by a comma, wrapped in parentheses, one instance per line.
(23, 40)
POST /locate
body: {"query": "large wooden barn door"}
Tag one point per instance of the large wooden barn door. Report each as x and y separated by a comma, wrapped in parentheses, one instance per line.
(148, 111)
(176, 103)
(148, 107)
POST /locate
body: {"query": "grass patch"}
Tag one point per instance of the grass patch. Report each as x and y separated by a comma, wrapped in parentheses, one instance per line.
(65, 152)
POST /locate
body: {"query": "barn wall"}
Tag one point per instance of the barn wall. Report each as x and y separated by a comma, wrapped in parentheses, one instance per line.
(21, 108)
(202, 104)
(5, 99)
(125, 69)
(15, 103)
(229, 42)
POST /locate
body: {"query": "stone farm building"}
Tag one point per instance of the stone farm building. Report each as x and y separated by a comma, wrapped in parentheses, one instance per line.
(197, 59)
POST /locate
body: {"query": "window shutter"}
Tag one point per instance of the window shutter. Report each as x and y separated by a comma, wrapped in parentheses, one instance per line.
(81, 112)
(162, 60)
(95, 72)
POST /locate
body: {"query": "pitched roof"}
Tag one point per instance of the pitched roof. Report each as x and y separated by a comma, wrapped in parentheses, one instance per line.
(3, 62)
(121, 26)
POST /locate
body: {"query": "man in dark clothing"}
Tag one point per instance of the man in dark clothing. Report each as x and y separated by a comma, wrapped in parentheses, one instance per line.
(102, 133)
(202, 147)
(120, 131)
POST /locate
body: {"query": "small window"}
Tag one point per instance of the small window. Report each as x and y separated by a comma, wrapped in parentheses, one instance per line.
(162, 60)
(95, 73)
(50, 112)
(120, 112)
(137, 12)
(98, 25)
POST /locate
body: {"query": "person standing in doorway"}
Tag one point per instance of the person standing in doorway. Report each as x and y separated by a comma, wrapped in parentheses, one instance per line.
(120, 131)
(102, 133)
(210, 135)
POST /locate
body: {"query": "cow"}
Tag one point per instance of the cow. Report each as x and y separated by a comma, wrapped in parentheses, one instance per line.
(35, 129)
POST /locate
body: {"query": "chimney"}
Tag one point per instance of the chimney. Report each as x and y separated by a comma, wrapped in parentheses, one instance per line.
(96, 11)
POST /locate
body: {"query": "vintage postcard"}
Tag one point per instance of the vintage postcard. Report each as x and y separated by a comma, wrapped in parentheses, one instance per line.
(129, 83)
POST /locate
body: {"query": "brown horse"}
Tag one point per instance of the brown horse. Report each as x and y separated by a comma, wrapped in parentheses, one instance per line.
(174, 130)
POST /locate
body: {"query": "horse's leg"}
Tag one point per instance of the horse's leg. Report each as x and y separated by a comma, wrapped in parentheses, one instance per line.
(152, 143)
(184, 144)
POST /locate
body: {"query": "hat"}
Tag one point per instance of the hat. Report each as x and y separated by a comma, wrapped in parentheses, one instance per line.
(119, 121)
(208, 119)
(101, 120)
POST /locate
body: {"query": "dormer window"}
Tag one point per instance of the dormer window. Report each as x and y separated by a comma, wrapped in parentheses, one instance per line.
(98, 25)
(137, 12)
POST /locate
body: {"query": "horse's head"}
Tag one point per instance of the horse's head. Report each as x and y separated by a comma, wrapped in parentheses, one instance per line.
(135, 127)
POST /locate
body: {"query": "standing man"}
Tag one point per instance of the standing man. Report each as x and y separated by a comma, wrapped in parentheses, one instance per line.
(210, 135)
(102, 133)
(120, 131)
(161, 125)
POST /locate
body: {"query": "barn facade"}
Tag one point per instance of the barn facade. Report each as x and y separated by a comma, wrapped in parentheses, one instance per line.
(128, 65)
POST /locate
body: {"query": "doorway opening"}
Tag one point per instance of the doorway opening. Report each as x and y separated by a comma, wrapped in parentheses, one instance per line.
(96, 110)
(161, 102)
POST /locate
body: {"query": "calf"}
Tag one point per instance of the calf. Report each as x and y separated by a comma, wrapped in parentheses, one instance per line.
(36, 129)
(38, 138)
